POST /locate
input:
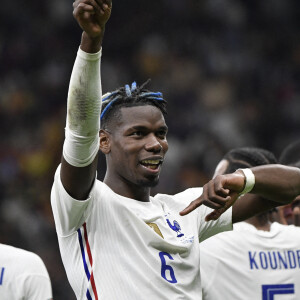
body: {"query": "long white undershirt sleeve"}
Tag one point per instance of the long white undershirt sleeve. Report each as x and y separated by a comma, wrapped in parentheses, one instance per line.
(83, 110)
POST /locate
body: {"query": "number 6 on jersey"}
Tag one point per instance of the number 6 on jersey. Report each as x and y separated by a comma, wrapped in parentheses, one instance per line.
(165, 267)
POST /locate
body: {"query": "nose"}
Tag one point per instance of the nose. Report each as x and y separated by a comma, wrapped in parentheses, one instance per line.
(153, 144)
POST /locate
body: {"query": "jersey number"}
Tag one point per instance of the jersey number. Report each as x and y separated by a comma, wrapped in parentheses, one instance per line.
(269, 290)
(166, 269)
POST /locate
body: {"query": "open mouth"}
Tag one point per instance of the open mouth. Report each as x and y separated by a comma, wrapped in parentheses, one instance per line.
(152, 164)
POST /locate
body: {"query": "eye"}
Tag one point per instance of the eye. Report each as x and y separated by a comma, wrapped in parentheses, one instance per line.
(162, 134)
(137, 133)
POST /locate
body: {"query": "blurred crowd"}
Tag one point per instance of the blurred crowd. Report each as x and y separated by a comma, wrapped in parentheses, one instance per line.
(229, 70)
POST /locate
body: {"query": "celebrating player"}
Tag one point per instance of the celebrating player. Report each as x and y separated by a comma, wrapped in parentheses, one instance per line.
(116, 241)
(262, 257)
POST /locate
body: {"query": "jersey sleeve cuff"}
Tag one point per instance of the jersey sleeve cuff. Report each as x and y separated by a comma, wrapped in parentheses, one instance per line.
(89, 56)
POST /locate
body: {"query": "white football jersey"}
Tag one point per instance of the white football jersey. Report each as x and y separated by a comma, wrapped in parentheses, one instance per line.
(248, 264)
(118, 248)
(23, 275)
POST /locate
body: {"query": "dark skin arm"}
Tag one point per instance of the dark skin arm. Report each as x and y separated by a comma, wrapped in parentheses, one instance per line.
(277, 184)
(91, 16)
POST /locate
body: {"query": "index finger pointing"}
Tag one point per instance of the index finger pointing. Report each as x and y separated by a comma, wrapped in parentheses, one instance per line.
(193, 205)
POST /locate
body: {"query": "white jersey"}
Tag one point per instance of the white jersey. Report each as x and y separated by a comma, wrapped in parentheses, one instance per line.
(252, 264)
(23, 275)
(118, 248)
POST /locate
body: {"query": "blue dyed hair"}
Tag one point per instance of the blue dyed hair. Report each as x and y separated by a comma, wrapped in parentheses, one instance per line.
(129, 96)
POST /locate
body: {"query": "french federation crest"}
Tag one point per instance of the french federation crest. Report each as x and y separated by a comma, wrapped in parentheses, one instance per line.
(175, 226)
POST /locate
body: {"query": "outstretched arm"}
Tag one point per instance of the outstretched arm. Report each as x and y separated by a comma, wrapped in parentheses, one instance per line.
(80, 151)
(277, 184)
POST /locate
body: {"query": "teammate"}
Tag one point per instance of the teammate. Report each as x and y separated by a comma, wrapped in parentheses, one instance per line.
(290, 156)
(257, 260)
(116, 241)
(23, 275)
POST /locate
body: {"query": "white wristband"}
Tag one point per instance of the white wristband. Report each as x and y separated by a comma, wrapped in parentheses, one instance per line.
(250, 181)
(80, 151)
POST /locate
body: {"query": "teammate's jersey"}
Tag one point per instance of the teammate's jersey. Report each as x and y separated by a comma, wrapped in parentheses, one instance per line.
(248, 264)
(118, 248)
(23, 275)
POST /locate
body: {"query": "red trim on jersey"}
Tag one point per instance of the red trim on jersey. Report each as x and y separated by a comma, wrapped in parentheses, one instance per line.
(91, 260)
(87, 244)
(94, 286)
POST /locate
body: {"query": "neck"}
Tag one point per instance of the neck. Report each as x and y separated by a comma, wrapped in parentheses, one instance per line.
(261, 222)
(128, 189)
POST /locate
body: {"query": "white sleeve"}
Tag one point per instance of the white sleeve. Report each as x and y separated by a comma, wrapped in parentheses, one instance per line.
(210, 228)
(35, 282)
(209, 265)
(83, 110)
(36, 287)
(69, 213)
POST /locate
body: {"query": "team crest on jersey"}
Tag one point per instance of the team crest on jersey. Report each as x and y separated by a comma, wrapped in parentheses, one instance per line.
(175, 226)
(155, 228)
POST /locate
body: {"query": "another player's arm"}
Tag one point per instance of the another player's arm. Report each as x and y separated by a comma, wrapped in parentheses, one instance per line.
(80, 153)
(277, 184)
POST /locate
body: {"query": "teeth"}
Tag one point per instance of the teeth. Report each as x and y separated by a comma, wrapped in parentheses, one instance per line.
(151, 162)
(152, 167)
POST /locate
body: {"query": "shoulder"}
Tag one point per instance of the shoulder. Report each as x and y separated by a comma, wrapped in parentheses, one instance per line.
(243, 226)
(7, 250)
(24, 260)
(191, 193)
(182, 199)
(222, 241)
(31, 260)
(287, 229)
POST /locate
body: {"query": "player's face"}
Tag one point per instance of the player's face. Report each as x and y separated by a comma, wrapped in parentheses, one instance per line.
(290, 210)
(138, 145)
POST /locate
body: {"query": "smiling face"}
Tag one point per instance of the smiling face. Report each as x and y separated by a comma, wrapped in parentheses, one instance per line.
(137, 146)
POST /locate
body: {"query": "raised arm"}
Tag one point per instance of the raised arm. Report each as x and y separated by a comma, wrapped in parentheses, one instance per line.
(80, 150)
(277, 184)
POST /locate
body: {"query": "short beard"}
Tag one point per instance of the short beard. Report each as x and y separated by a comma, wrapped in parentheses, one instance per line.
(148, 183)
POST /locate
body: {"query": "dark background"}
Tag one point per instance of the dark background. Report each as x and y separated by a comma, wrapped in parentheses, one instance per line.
(228, 68)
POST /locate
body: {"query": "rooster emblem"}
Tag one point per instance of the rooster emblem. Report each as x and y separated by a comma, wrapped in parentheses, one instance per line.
(176, 227)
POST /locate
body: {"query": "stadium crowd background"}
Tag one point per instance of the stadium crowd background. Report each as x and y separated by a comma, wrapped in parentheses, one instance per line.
(229, 69)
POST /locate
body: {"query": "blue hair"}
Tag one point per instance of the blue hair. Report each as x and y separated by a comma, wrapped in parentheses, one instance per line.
(131, 96)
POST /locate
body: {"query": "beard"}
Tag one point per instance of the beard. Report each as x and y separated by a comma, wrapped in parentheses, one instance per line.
(151, 182)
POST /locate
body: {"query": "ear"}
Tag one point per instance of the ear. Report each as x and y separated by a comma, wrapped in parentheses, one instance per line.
(104, 141)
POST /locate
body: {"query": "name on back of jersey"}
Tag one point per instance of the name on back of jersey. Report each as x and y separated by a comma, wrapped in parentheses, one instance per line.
(263, 260)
